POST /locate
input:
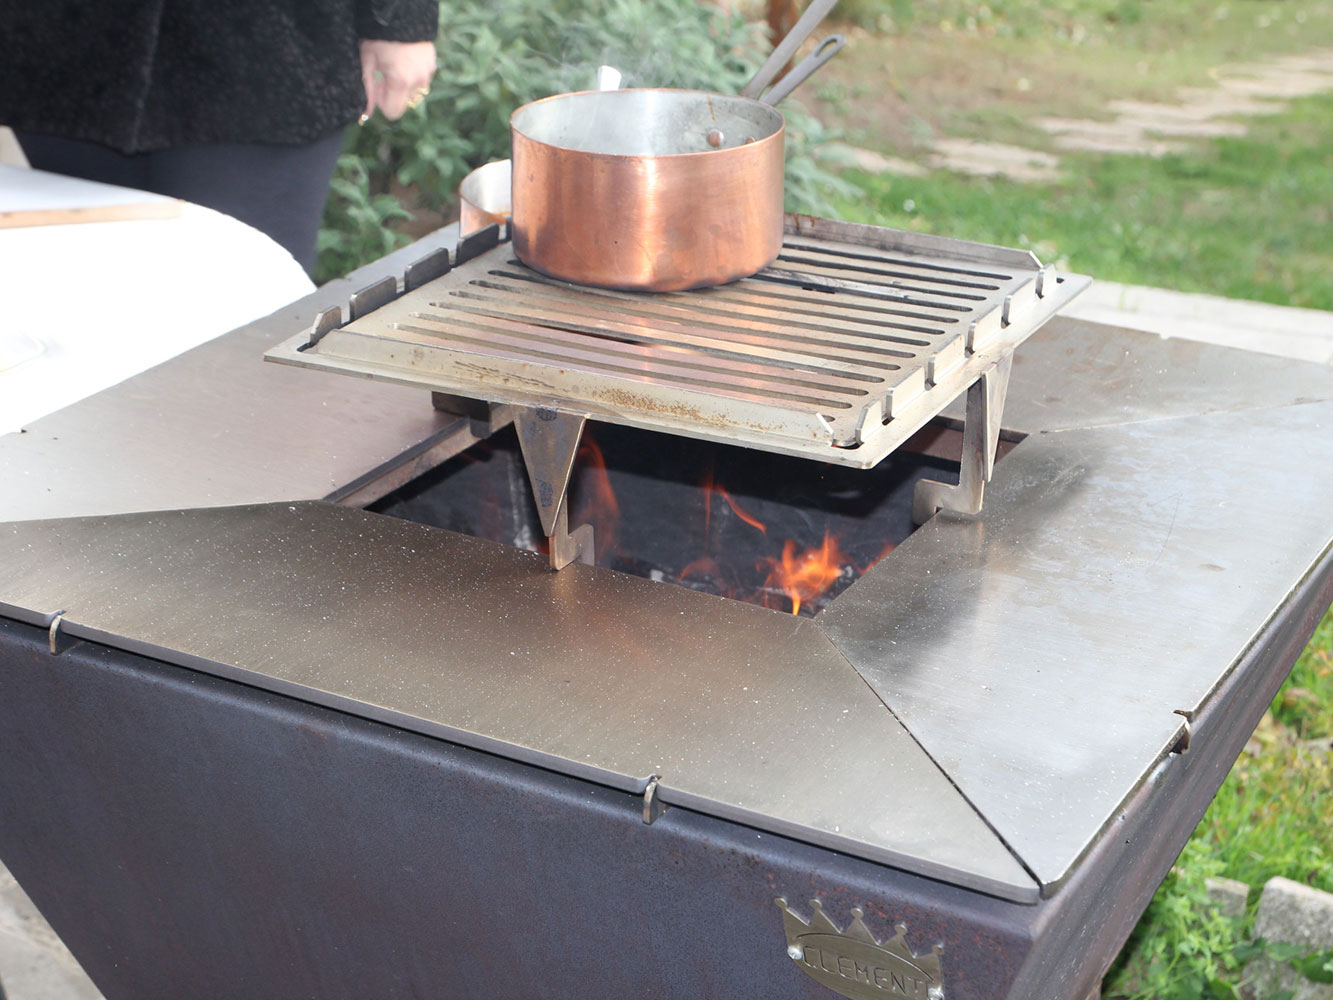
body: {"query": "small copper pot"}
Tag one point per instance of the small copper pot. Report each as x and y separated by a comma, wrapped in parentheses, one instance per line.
(657, 190)
(650, 190)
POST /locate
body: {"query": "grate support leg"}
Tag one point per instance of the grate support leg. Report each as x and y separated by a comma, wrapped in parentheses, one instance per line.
(549, 439)
(981, 436)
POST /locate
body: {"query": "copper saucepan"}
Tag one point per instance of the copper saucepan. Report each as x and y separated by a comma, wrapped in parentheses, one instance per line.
(484, 196)
(652, 190)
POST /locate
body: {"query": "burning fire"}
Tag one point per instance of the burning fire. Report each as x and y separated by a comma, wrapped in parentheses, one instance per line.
(800, 576)
(807, 575)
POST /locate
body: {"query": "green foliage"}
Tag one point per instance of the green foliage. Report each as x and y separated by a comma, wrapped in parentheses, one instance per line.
(356, 223)
(1245, 217)
(1183, 948)
(1305, 703)
(495, 55)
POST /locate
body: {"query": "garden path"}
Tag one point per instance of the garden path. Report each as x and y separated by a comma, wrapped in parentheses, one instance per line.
(1133, 127)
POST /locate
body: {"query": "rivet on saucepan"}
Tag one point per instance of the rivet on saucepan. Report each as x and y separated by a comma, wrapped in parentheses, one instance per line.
(749, 139)
(715, 137)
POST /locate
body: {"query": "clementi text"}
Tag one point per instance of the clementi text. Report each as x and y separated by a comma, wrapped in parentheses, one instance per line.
(894, 983)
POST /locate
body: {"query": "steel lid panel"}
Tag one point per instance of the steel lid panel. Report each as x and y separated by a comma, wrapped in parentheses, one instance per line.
(1076, 373)
(1042, 650)
(743, 712)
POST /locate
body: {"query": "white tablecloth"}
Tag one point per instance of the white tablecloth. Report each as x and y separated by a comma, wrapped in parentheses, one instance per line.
(85, 306)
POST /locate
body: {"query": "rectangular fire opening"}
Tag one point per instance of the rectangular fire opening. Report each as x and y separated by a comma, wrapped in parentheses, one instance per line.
(904, 325)
(781, 532)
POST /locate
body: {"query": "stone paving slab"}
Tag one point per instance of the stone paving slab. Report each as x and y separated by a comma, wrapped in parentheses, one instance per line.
(1198, 112)
(34, 963)
(1228, 895)
(1296, 914)
(990, 159)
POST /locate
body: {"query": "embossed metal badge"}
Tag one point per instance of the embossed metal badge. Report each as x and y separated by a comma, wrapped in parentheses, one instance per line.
(854, 964)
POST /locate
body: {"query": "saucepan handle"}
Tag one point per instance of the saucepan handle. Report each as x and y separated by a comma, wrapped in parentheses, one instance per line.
(801, 30)
(827, 49)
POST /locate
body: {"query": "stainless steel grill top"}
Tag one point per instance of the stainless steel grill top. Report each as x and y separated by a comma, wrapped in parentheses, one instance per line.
(842, 349)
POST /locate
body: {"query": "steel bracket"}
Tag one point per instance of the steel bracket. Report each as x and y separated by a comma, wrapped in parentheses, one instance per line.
(981, 437)
(483, 418)
(653, 806)
(549, 439)
(58, 641)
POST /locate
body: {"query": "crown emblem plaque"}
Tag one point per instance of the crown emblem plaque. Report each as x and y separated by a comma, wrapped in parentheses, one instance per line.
(852, 963)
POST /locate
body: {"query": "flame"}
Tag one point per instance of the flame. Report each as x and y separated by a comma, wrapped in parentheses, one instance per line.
(799, 575)
(803, 577)
(749, 519)
(710, 486)
(601, 509)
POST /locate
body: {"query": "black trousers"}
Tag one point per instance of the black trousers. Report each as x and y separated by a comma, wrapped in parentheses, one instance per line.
(279, 190)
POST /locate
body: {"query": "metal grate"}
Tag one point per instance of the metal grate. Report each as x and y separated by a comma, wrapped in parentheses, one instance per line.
(849, 343)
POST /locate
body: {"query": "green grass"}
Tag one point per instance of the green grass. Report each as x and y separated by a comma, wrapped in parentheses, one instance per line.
(1249, 217)
(1252, 827)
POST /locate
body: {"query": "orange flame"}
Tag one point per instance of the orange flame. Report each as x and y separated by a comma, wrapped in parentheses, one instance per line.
(749, 519)
(802, 576)
(805, 576)
(711, 486)
(602, 508)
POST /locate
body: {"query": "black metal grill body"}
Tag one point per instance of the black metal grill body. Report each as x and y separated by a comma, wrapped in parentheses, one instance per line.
(192, 836)
(245, 782)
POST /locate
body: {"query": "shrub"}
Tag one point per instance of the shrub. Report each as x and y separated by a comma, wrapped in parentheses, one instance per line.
(497, 55)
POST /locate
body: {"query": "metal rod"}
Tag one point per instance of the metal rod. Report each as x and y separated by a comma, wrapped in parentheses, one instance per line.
(800, 31)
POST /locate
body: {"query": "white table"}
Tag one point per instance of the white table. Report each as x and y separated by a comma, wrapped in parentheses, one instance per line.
(85, 306)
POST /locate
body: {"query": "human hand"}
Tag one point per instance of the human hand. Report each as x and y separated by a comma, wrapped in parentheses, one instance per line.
(396, 75)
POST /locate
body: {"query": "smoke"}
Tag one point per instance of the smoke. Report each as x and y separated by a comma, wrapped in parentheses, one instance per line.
(659, 43)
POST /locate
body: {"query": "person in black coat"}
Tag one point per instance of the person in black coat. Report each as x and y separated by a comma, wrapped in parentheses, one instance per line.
(237, 105)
